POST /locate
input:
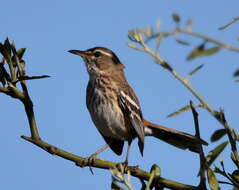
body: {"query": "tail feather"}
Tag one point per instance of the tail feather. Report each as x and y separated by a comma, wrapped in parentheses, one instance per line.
(174, 137)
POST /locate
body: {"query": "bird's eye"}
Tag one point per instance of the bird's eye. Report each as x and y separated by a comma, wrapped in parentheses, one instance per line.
(97, 54)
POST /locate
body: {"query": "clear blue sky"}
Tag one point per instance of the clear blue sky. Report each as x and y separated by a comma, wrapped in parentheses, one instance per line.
(48, 29)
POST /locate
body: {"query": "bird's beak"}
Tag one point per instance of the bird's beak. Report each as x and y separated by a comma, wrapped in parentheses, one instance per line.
(83, 54)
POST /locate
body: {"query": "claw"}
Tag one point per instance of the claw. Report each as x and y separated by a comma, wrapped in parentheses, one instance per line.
(90, 161)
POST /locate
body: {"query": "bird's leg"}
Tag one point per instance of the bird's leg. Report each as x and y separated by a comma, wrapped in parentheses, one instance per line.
(125, 163)
(98, 151)
(92, 157)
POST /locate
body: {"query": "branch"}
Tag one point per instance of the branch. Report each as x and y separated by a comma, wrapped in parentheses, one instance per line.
(157, 58)
(102, 164)
(210, 39)
(179, 30)
(24, 97)
(183, 80)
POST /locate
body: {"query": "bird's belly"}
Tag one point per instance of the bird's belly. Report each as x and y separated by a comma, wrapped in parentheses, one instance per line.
(109, 120)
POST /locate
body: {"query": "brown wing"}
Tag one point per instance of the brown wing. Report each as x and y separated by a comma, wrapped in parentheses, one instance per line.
(115, 145)
(130, 107)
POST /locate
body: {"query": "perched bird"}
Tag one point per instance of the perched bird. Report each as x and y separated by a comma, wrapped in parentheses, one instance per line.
(115, 109)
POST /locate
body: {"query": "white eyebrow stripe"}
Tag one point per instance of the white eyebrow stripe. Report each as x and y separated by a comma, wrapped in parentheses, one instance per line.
(105, 53)
(129, 99)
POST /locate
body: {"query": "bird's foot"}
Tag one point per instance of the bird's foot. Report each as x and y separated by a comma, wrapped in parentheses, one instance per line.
(90, 161)
(124, 167)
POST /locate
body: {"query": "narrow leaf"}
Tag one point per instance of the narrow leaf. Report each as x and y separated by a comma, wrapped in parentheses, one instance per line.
(7, 46)
(181, 110)
(5, 52)
(182, 42)
(212, 180)
(218, 134)
(4, 72)
(134, 36)
(2, 77)
(236, 73)
(32, 77)
(21, 52)
(115, 186)
(154, 172)
(195, 70)
(199, 52)
(166, 66)
(156, 169)
(176, 17)
(189, 22)
(235, 176)
(213, 154)
(235, 188)
(134, 47)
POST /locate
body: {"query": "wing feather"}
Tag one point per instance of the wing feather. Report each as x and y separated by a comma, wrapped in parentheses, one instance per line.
(131, 109)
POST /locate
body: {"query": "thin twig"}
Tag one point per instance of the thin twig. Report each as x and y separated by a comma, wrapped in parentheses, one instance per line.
(21, 78)
(229, 23)
(210, 39)
(203, 163)
(179, 30)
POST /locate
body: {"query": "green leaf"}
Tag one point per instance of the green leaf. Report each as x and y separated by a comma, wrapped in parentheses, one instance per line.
(7, 46)
(218, 134)
(5, 74)
(235, 176)
(236, 73)
(156, 169)
(5, 52)
(21, 52)
(235, 188)
(212, 180)
(201, 51)
(213, 154)
(181, 110)
(189, 22)
(134, 36)
(115, 186)
(176, 17)
(134, 47)
(235, 157)
(182, 42)
(2, 77)
(195, 70)
(154, 172)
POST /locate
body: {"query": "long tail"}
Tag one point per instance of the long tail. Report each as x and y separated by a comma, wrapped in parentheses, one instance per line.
(174, 137)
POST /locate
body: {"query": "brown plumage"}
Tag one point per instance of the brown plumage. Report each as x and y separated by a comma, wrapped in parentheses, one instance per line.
(115, 109)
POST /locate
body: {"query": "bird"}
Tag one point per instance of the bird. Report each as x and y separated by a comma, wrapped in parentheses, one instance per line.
(115, 109)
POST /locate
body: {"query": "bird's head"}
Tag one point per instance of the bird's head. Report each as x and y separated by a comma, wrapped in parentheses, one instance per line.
(99, 60)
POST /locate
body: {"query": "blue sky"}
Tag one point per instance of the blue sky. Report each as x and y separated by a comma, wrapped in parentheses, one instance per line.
(48, 29)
